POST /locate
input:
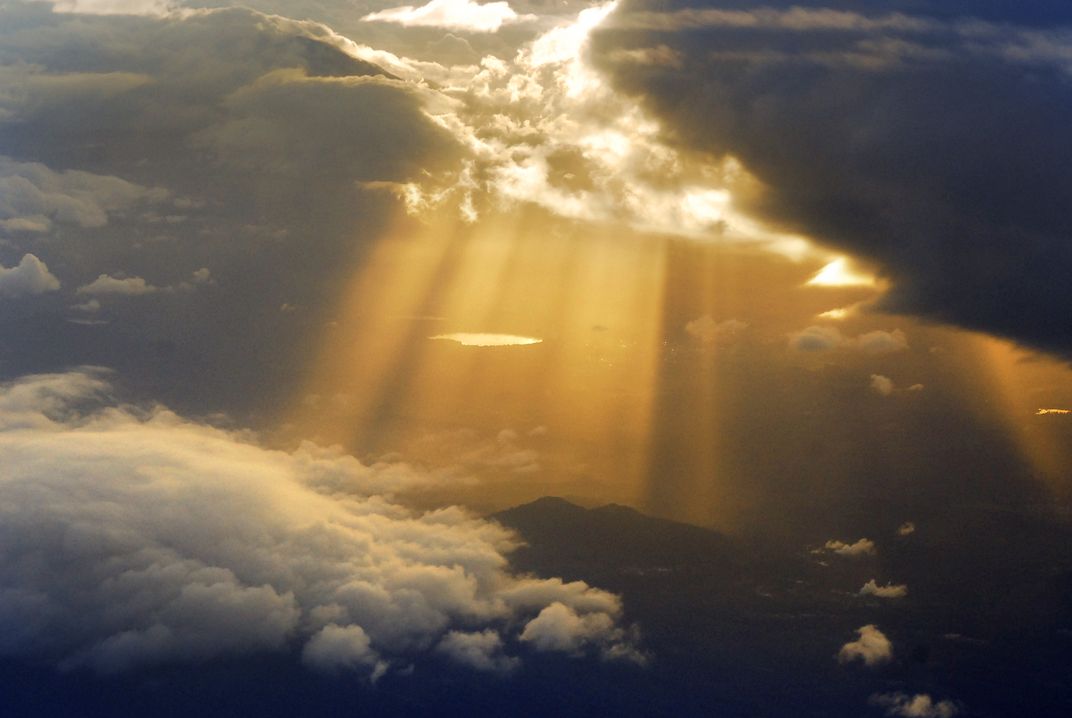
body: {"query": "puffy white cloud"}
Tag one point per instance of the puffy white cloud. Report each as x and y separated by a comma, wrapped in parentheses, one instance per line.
(107, 284)
(453, 15)
(920, 705)
(709, 332)
(131, 537)
(559, 627)
(881, 385)
(872, 647)
(871, 588)
(862, 547)
(482, 650)
(29, 276)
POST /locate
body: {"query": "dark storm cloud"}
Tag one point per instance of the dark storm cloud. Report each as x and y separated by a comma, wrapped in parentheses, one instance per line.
(228, 142)
(931, 138)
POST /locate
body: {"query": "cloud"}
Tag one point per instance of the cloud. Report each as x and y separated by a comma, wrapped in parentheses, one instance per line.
(816, 339)
(29, 276)
(32, 196)
(957, 213)
(888, 591)
(862, 547)
(481, 650)
(336, 647)
(114, 7)
(107, 284)
(881, 385)
(906, 529)
(131, 537)
(881, 342)
(920, 705)
(709, 332)
(825, 338)
(559, 627)
(872, 647)
(452, 15)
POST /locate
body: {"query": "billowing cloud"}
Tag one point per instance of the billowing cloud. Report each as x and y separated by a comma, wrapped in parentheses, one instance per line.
(919, 705)
(890, 590)
(29, 276)
(134, 537)
(862, 547)
(560, 627)
(925, 169)
(452, 15)
(871, 647)
(482, 650)
(336, 647)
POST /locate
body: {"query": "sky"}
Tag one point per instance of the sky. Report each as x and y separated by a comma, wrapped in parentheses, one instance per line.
(300, 300)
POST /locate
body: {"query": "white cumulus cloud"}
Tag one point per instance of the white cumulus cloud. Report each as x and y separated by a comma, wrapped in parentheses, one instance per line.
(890, 590)
(29, 276)
(872, 647)
(861, 547)
(134, 536)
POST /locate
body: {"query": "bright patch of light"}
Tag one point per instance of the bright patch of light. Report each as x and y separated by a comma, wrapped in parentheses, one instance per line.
(480, 339)
(452, 14)
(840, 273)
(564, 44)
(1044, 412)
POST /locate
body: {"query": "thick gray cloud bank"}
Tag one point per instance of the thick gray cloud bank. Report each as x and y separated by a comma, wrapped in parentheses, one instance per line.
(154, 147)
(130, 538)
(929, 137)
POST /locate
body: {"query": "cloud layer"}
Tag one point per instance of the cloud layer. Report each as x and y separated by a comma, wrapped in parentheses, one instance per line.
(130, 538)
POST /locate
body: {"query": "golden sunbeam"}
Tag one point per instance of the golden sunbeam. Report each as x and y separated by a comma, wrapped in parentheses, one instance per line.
(520, 322)
(1020, 383)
